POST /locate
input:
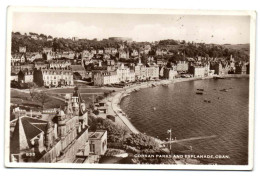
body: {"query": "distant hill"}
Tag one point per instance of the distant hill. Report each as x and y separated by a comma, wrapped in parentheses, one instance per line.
(244, 48)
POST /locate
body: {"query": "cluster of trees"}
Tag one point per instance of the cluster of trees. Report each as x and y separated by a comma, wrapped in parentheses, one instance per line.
(204, 50)
(120, 135)
(168, 42)
(32, 45)
(115, 133)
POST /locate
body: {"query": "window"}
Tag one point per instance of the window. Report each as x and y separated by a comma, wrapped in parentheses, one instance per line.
(92, 148)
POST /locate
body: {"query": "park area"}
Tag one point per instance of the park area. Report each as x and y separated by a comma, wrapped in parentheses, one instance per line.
(54, 97)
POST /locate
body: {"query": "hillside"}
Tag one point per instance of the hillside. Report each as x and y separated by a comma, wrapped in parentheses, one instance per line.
(244, 48)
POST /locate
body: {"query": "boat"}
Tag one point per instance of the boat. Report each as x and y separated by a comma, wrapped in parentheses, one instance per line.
(153, 85)
(200, 89)
(218, 77)
(199, 93)
(207, 101)
(223, 90)
(154, 108)
(165, 85)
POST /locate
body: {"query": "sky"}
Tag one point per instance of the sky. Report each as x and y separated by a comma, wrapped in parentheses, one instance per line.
(140, 27)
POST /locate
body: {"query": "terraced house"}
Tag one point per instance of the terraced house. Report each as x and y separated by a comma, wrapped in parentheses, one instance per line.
(57, 77)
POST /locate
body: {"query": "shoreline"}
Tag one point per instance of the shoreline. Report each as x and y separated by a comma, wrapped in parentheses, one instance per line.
(119, 95)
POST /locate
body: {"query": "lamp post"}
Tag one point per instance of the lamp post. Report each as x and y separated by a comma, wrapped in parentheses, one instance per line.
(170, 132)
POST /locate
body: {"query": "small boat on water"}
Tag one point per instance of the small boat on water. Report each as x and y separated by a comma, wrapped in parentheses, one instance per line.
(218, 77)
(223, 90)
(200, 89)
(199, 93)
(154, 108)
(165, 85)
(207, 101)
(153, 85)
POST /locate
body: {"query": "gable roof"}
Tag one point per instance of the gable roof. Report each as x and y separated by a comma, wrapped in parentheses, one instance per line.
(25, 130)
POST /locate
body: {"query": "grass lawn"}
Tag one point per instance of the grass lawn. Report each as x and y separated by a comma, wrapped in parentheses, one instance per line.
(24, 100)
(81, 90)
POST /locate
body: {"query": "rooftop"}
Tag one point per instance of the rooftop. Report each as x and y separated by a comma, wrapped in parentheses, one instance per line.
(97, 134)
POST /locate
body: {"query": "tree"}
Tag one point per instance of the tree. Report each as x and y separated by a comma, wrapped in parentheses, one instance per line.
(38, 78)
(32, 92)
(42, 97)
(77, 76)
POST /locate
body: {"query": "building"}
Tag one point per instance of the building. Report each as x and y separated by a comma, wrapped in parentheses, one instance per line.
(161, 62)
(182, 66)
(134, 53)
(34, 36)
(75, 38)
(161, 52)
(59, 64)
(93, 51)
(57, 77)
(152, 72)
(198, 71)
(25, 77)
(140, 71)
(48, 53)
(220, 68)
(241, 68)
(49, 38)
(69, 55)
(41, 65)
(125, 74)
(123, 54)
(21, 67)
(169, 73)
(102, 78)
(14, 77)
(100, 51)
(18, 57)
(59, 137)
(32, 56)
(98, 142)
(22, 49)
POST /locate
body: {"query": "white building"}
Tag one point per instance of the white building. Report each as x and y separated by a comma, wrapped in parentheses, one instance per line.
(142, 72)
(102, 78)
(28, 77)
(125, 75)
(59, 64)
(18, 58)
(56, 77)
